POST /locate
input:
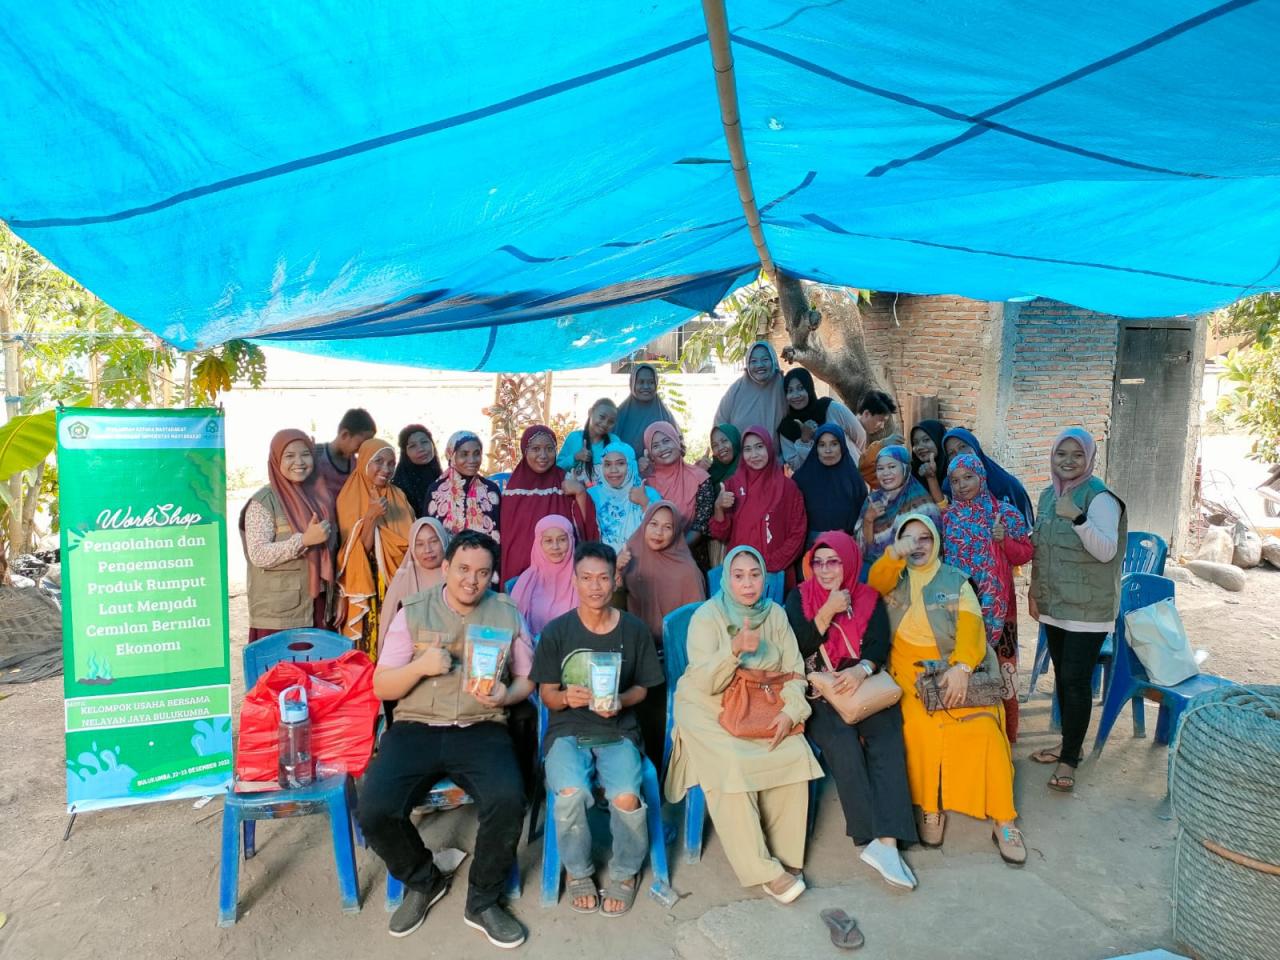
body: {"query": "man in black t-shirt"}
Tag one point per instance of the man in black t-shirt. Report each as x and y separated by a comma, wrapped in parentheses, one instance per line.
(592, 666)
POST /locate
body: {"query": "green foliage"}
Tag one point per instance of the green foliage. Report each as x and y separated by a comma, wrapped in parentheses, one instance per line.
(746, 317)
(1255, 404)
(218, 369)
(1254, 318)
(26, 440)
(69, 345)
(747, 313)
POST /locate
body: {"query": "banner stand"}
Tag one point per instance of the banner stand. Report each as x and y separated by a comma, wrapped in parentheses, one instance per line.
(146, 653)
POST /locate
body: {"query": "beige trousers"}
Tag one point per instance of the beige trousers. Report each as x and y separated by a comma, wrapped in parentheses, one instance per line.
(761, 832)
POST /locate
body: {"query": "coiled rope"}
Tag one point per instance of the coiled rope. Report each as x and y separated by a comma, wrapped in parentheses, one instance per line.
(1224, 787)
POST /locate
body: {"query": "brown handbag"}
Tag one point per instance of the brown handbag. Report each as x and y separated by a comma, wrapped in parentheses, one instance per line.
(752, 701)
(877, 692)
(986, 686)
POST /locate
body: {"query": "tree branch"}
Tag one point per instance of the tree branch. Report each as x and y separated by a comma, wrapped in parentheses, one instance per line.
(847, 369)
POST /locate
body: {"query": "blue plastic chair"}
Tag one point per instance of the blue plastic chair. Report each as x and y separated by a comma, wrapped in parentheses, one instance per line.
(661, 887)
(1130, 682)
(675, 656)
(330, 795)
(501, 480)
(300, 645)
(775, 584)
(1143, 553)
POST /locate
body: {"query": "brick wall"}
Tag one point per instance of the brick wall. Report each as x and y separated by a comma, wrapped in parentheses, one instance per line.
(1061, 373)
(1014, 373)
(935, 347)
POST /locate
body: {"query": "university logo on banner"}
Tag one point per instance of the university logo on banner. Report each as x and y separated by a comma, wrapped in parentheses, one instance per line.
(147, 681)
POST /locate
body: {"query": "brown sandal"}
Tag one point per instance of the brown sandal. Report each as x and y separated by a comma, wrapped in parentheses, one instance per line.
(1062, 782)
(844, 929)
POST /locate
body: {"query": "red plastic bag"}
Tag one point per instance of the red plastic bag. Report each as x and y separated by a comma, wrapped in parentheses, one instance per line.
(343, 709)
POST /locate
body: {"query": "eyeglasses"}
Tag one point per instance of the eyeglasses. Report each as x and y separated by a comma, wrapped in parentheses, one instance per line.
(830, 564)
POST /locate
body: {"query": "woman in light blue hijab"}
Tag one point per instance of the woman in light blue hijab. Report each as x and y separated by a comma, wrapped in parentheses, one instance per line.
(757, 790)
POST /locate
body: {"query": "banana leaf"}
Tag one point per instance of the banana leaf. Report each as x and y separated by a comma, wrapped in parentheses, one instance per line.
(26, 440)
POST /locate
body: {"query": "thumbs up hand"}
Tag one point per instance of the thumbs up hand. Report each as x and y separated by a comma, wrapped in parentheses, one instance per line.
(639, 495)
(747, 639)
(317, 532)
(725, 500)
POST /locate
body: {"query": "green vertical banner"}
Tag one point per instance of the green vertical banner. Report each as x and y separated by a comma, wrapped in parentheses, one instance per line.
(146, 659)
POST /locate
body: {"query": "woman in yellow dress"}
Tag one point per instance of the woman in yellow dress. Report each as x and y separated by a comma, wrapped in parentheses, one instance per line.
(958, 758)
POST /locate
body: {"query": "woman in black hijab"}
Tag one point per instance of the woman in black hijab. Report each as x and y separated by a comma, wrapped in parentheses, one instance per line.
(806, 412)
(928, 449)
(417, 467)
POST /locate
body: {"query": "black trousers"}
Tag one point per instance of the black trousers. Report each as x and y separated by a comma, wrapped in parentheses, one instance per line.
(869, 765)
(1074, 655)
(412, 758)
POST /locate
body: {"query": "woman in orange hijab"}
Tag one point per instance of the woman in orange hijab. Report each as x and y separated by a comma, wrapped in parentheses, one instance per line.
(374, 518)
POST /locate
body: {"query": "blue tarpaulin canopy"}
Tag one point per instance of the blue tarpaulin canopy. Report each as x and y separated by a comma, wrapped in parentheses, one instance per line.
(535, 185)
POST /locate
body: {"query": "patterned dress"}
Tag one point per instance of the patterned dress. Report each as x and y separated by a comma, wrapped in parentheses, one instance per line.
(969, 545)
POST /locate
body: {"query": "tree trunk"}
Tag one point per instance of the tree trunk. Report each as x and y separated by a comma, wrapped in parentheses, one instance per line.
(28, 518)
(95, 385)
(12, 401)
(844, 365)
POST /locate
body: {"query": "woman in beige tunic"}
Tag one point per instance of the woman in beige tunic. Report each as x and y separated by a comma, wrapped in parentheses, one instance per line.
(757, 790)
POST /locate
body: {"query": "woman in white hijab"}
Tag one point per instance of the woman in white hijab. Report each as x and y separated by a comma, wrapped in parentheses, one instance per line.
(428, 540)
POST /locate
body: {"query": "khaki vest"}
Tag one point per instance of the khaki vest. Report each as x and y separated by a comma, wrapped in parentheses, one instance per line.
(279, 598)
(1067, 581)
(941, 604)
(442, 699)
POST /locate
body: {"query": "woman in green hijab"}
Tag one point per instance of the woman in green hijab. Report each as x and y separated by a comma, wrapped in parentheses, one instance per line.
(720, 464)
(757, 789)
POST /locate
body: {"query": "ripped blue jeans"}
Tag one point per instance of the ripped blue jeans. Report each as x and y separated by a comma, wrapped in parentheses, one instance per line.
(618, 768)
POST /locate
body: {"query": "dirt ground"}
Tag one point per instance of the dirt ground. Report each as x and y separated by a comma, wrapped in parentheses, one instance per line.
(142, 882)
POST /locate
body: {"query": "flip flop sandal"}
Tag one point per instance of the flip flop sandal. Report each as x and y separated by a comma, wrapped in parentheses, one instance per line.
(583, 887)
(844, 929)
(618, 890)
(1062, 782)
(1043, 756)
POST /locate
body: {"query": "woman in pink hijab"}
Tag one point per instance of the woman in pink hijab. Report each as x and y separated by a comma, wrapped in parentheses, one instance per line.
(1079, 539)
(546, 590)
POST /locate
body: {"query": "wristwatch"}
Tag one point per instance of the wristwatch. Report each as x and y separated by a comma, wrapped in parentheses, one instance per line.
(965, 667)
(867, 666)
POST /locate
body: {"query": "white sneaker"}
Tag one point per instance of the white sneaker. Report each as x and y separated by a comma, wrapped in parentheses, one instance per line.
(888, 863)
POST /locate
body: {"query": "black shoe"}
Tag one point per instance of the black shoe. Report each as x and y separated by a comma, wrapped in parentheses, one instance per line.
(410, 914)
(502, 929)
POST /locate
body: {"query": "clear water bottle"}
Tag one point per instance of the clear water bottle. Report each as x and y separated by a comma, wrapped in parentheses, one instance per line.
(297, 767)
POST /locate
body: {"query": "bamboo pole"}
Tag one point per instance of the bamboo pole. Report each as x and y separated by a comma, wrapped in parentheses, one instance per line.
(713, 13)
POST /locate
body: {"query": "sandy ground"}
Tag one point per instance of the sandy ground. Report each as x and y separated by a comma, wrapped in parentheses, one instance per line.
(142, 882)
